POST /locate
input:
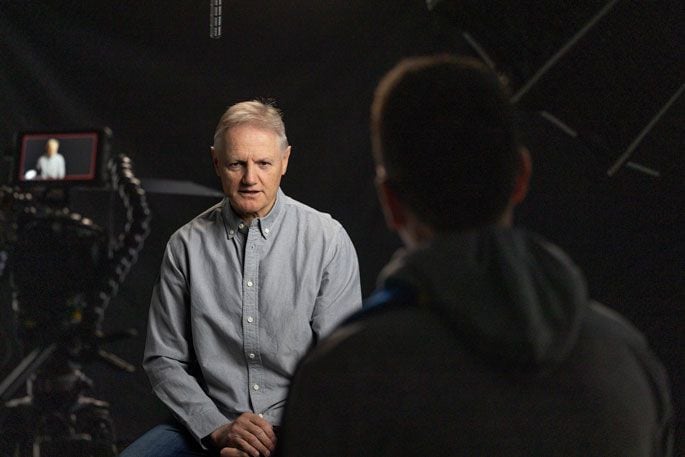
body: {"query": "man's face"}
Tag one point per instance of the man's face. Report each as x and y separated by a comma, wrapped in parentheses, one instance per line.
(250, 169)
(51, 148)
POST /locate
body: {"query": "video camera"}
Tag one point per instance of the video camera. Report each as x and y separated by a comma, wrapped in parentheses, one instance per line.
(56, 256)
(63, 270)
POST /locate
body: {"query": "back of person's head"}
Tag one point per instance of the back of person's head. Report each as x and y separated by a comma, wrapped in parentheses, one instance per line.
(253, 112)
(442, 128)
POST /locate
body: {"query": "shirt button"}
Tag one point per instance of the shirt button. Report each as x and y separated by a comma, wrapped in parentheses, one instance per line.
(250, 319)
(260, 415)
(256, 387)
(241, 225)
(231, 232)
(251, 355)
(249, 283)
(266, 230)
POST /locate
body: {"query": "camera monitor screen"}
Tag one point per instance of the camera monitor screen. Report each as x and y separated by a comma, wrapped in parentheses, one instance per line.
(60, 157)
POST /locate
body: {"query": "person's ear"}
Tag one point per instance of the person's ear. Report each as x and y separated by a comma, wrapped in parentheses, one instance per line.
(393, 210)
(215, 160)
(523, 174)
(284, 163)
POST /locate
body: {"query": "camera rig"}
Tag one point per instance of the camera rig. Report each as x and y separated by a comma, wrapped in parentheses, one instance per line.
(64, 270)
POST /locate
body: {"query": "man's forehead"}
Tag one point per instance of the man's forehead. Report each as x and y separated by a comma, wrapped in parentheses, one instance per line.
(250, 129)
(252, 140)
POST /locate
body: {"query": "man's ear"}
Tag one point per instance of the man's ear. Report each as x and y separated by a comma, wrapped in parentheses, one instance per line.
(522, 182)
(286, 156)
(215, 160)
(393, 210)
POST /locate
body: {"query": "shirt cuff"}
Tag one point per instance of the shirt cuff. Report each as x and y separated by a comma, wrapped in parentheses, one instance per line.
(204, 423)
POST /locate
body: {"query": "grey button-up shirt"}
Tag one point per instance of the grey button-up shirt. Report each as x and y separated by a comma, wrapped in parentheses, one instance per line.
(236, 306)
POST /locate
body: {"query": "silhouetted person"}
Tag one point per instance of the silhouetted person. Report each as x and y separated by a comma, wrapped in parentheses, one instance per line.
(244, 290)
(481, 339)
(50, 165)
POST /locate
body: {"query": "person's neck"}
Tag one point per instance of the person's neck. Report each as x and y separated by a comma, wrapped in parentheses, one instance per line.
(247, 218)
(416, 233)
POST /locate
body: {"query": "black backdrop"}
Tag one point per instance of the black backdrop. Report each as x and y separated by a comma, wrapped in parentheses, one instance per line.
(150, 72)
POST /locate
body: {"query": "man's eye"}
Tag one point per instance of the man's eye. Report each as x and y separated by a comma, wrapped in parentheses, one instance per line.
(264, 164)
(233, 165)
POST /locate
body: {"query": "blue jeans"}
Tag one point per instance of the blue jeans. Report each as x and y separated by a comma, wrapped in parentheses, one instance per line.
(170, 439)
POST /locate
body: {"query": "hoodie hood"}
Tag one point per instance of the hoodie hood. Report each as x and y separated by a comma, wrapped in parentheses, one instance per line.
(509, 295)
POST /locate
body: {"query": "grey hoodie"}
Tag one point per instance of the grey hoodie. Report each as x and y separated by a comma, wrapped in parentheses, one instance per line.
(521, 298)
(481, 343)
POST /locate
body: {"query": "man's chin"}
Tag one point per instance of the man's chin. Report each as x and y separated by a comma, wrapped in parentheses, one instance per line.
(248, 209)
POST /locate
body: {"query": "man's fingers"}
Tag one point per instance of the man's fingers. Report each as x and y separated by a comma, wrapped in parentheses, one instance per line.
(265, 428)
(252, 434)
(245, 445)
(263, 424)
(255, 442)
(232, 452)
(261, 431)
(243, 439)
(265, 437)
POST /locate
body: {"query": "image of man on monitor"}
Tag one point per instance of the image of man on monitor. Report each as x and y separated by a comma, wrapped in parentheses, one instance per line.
(50, 165)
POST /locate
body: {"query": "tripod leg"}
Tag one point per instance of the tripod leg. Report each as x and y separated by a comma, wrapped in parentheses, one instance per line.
(93, 418)
(21, 373)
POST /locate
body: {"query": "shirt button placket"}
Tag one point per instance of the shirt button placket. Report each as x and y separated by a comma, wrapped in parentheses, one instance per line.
(250, 319)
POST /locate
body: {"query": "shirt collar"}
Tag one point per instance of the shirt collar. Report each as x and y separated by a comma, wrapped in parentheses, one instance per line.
(266, 224)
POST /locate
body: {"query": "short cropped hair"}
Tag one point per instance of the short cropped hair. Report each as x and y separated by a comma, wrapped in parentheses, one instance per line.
(253, 112)
(443, 129)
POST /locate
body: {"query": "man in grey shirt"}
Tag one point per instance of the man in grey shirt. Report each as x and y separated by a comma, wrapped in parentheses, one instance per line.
(51, 164)
(244, 290)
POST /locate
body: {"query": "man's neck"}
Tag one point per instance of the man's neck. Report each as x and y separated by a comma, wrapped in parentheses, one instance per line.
(247, 218)
(416, 233)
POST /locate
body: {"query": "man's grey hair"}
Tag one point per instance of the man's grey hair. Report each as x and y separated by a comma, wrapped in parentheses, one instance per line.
(253, 112)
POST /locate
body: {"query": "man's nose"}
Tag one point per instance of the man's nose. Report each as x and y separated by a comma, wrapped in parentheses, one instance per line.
(249, 177)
